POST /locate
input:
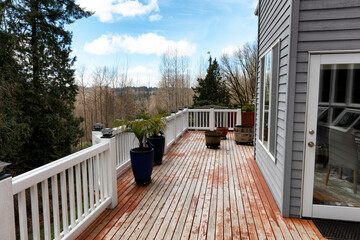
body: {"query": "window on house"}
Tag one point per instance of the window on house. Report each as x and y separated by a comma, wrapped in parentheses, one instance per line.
(268, 108)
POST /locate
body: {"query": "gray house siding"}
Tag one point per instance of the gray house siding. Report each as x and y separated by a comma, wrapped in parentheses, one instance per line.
(323, 25)
(274, 25)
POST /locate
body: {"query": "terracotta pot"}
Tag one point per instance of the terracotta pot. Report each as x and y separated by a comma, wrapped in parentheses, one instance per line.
(223, 130)
(212, 139)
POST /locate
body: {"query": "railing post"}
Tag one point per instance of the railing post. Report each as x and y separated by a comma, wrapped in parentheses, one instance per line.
(182, 121)
(167, 130)
(173, 113)
(186, 116)
(96, 133)
(111, 163)
(7, 226)
(212, 118)
(238, 115)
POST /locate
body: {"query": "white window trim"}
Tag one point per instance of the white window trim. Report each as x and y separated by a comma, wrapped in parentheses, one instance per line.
(270, 98)
(266, 150)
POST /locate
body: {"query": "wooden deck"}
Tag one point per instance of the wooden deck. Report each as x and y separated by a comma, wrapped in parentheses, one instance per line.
(199, 193)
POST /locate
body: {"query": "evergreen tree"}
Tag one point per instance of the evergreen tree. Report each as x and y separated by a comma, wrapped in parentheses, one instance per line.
(12, 131)
(47, 81)
(211, 89)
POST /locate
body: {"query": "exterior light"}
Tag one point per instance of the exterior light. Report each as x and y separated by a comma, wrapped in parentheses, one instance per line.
(107, 133)
(98, 127)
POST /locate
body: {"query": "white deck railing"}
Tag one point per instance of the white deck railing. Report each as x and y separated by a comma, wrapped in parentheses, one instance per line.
(65, 196)
(208, 119)
(72, 191)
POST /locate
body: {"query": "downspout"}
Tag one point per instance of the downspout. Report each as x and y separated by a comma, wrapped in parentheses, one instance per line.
(294, 23)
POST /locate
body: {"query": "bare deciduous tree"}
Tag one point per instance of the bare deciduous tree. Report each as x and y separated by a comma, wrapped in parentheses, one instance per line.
(105, 97)
(240, 73)
(174, 88)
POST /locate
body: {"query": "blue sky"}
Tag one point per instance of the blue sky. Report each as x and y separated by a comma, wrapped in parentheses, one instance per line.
(134, 33)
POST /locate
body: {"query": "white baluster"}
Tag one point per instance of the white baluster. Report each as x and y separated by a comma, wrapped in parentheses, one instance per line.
(55, 201)
(46, 209)
(85, 188)
(91, 183)
(72, 197)
(35, 211)
(78, 192)
(22, 215)
(64, 204)
(96, 179)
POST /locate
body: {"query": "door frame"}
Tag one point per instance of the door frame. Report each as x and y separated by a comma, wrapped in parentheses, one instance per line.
(308, 209)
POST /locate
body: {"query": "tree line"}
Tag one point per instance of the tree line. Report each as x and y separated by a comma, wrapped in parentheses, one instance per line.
(106, 94)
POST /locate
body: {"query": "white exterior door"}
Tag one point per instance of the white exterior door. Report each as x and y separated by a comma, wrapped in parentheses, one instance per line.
(332, 139)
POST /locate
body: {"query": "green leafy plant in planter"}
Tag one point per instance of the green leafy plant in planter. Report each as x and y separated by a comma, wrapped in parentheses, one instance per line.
(156, 138)
(142, 157)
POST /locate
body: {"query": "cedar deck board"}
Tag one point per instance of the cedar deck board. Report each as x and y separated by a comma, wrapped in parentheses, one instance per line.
(199, 193)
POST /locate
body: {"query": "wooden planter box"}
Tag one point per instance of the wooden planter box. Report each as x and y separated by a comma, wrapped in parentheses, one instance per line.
(244, 134)
(212, 139)
(248, 119)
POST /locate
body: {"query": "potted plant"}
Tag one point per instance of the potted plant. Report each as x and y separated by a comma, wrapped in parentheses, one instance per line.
(156, 138)
(142, 157)
(212, 139)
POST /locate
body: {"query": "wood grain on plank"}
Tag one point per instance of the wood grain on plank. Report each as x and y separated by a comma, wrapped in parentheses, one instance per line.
(199, 193)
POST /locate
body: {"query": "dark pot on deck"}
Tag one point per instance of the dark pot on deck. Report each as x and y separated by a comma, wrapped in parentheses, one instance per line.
(158, 143)
(142, 161)
(212, 139)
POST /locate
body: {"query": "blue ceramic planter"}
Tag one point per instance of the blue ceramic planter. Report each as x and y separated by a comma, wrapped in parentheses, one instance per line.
(142, 161)
(158, 143)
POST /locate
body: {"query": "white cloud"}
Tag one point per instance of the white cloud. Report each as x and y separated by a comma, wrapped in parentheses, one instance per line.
(149, 43)
(142, 76)
(155, 17)
(141, 71)
(111, 10)
(229, 50)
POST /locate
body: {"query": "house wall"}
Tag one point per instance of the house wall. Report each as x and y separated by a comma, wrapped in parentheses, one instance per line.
(323, 25)
(274, 25)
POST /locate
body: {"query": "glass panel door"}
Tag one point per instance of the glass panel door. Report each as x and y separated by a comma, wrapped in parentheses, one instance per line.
(332, 154)
(337, 157)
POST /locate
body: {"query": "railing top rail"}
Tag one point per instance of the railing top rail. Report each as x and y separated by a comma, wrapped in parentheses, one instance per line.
(42, 173)
(168, 118)
(225, 110)
(199, 110)
(216, 110)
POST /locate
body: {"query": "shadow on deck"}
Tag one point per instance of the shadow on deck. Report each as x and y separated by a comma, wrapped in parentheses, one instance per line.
(199, 193)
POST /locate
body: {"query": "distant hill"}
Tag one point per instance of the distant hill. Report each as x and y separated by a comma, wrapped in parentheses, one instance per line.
(137, 89)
